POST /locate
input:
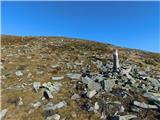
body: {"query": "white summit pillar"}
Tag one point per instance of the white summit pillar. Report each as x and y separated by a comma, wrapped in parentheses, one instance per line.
(115, 60)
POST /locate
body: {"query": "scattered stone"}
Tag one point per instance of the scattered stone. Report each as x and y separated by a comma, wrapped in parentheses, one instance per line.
(86, 80)
(144, 105)
(61, 104)
(52, 87)
(19, 73)
(108, 84)
(36, 86)
(154, 97)
(90, 94)
(75, 97)
(54, 117)
(94, 86)
(19, 101)
(125, 117)
(3, 113)
(96, 106)
(55, 66)
(37, 104)
(73, 114)
(47, 94)
(74, 76)
(48, 112)
(58, 78)
(134, 108)
(154, 82)
(121, 109)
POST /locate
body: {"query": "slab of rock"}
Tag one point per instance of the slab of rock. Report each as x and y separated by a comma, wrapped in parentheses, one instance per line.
(54, 117)
(19, 73)
(154, 82)
(74, 76)
(86, 79)
(154, 97)
(58, 78)
(37, 104)
(3, 113)
(124, 117)
(53, 107)
(108, 84)
(75, 97)
(36, 86)
(19, 101)
(144, 105)
(96, 106)
(55, 66)
(52, 87)
(90, 94)
(94, 86)
(47, 94)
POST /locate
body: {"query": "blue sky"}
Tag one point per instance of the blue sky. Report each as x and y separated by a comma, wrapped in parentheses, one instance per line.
(127, 24)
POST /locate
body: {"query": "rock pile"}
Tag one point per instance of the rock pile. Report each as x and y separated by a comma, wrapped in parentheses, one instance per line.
(123, 81)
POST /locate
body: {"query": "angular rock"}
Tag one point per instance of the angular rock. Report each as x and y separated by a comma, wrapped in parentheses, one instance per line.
(53, 87)
(90, 94)
(154, 97)
(37, 104)
(55, 66)
(3, 113)
(50, 106)
(19, 101)
(94, 86)
(144, 105)
(19, 73)
(36, 86)
(108, 84)
(75, 96)
(121, 109)
(96, 106)
(134, 109)
(155, 83)
(73, 114)
(47, 94)
(86, 80)
(74, 76)
(126, 117)
(58, 78)
(54, 117)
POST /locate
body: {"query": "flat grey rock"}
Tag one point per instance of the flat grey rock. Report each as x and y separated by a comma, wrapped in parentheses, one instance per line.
(55, 66)
(90, 94)
(144, 105)
(94, 86)
(86, 80)
(109, 84)
(58, 78)
(74, 76)
(75, 96)
(47, 94)
(36, 86)
(3, 113)
(59, 105)
(54, 117)
(19, 73)
(37, 104)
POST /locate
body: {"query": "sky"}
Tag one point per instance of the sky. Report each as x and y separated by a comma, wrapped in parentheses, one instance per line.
(127, 24)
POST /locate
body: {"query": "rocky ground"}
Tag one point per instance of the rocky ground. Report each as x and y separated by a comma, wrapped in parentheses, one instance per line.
(57, 78)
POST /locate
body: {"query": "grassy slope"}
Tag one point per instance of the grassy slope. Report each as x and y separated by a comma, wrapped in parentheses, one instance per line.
(69, 50)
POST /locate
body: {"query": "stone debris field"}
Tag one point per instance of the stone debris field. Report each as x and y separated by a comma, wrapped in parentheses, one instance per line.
(57, 78)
